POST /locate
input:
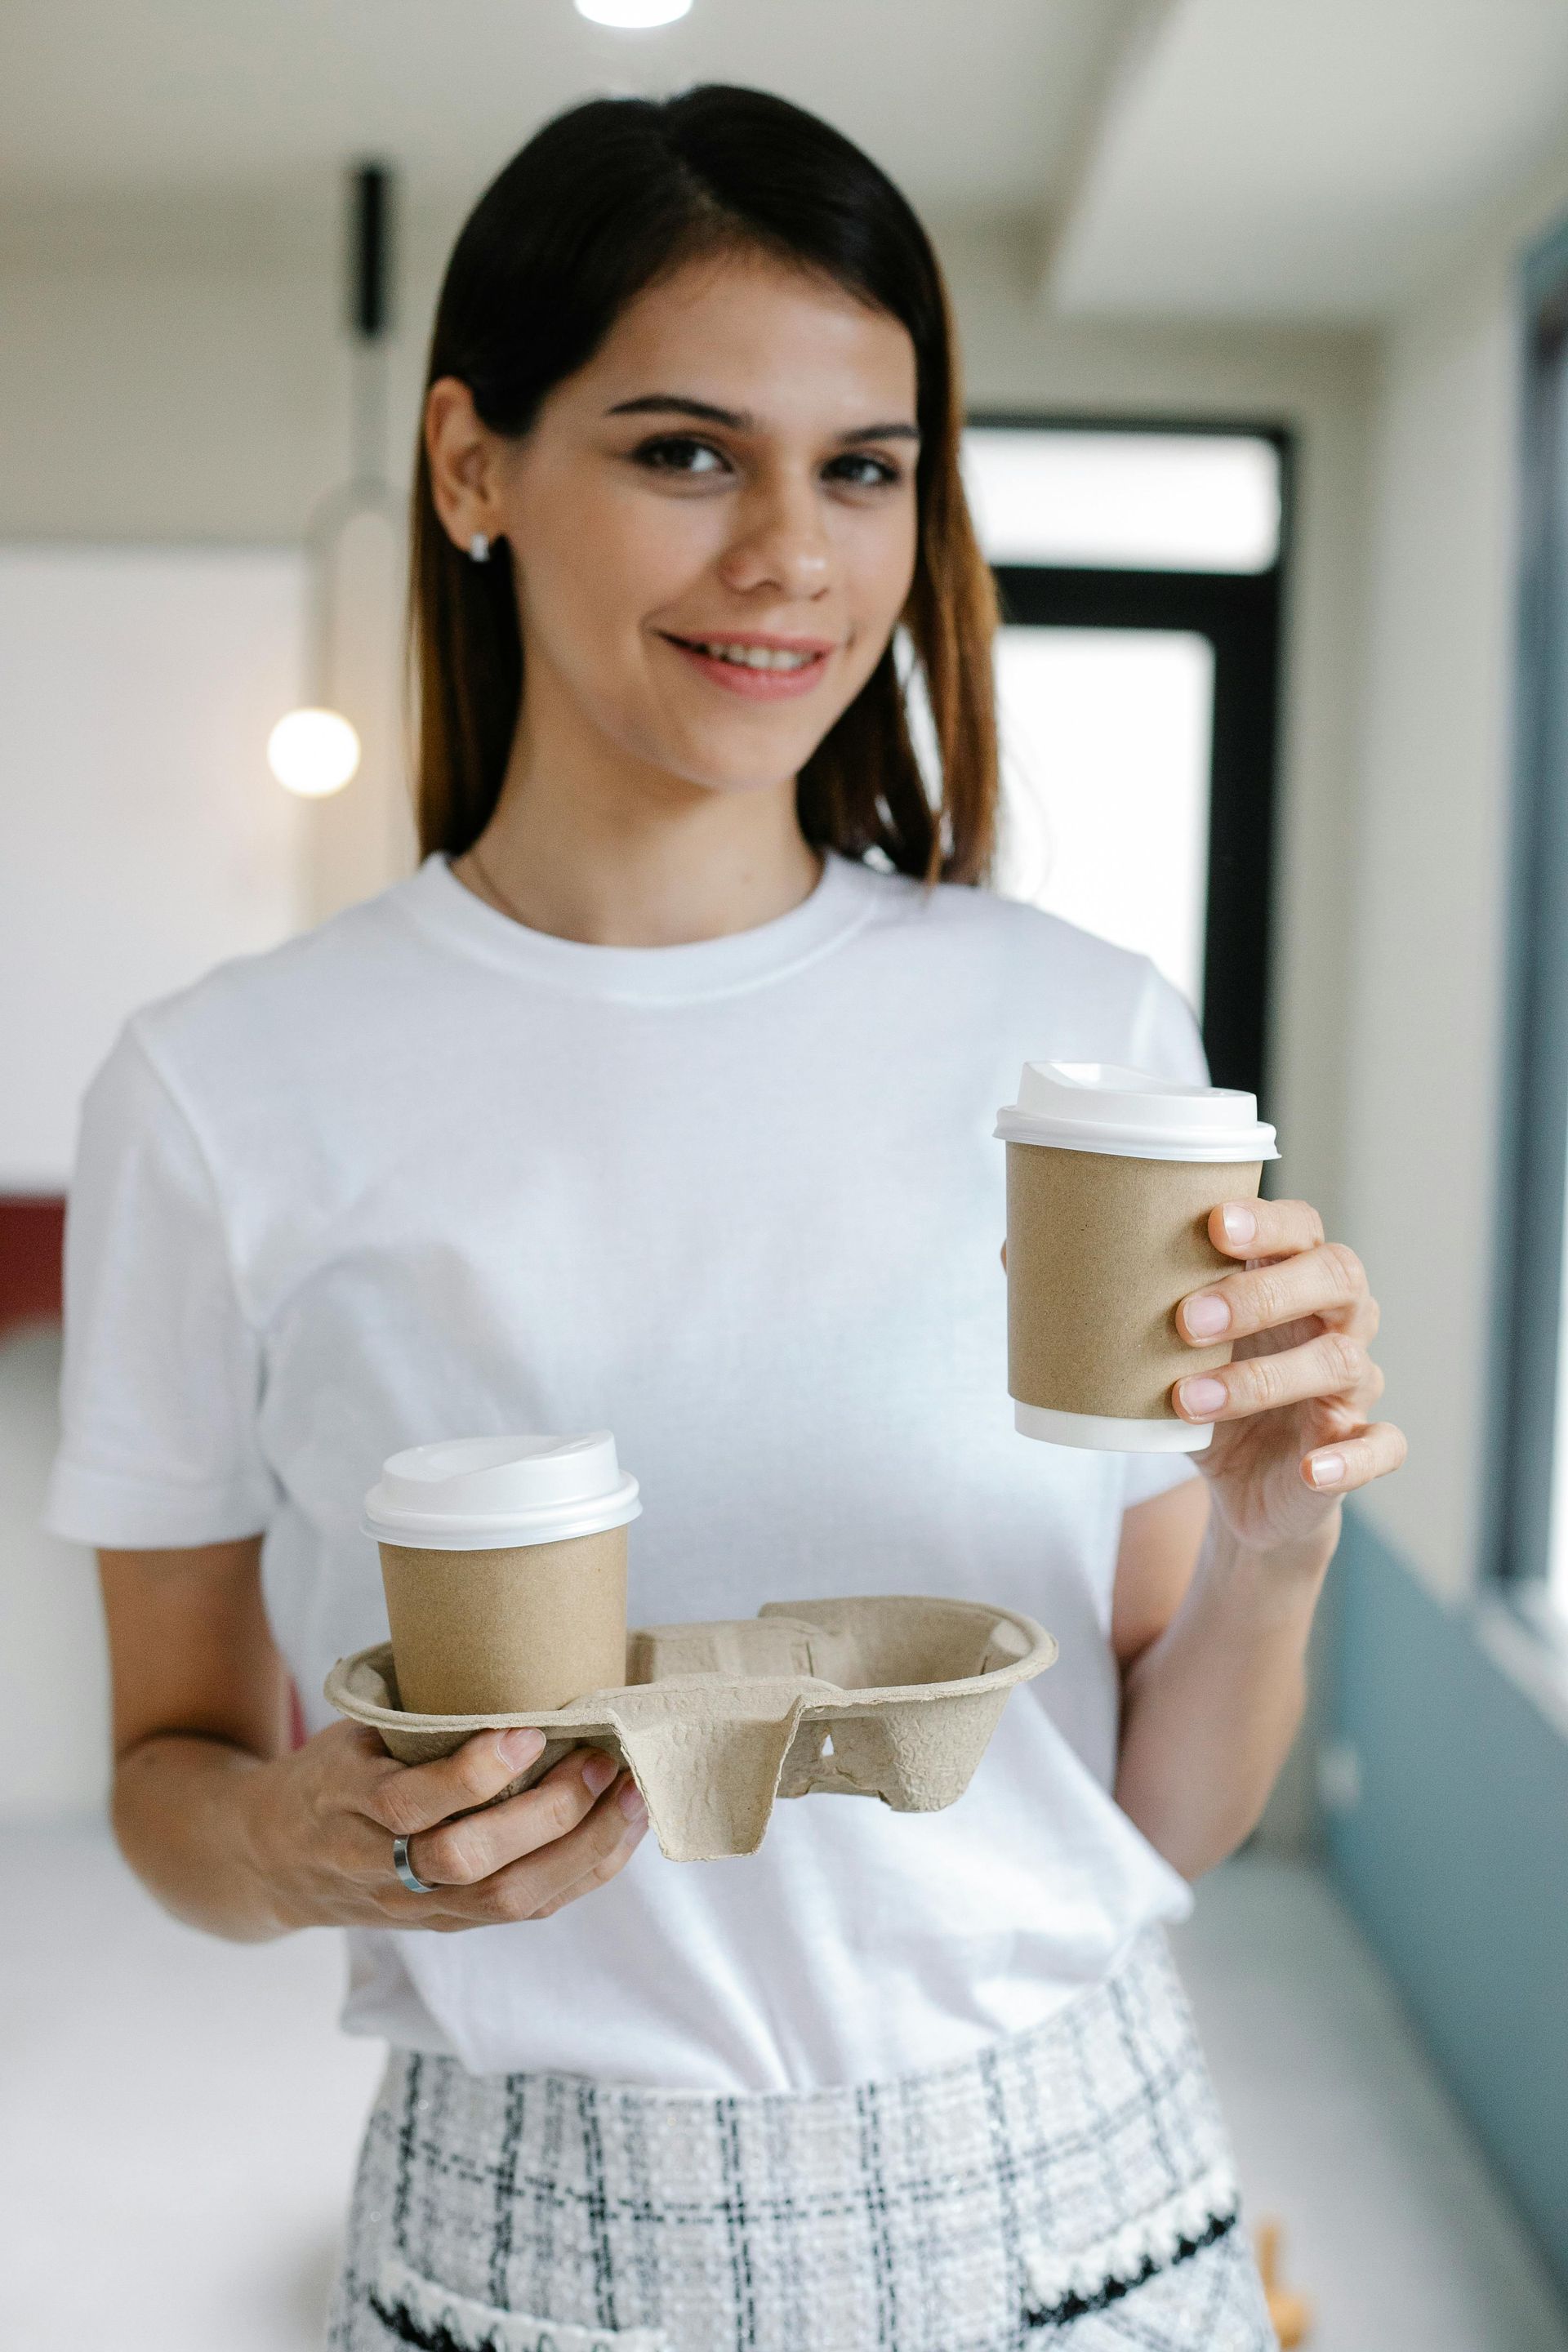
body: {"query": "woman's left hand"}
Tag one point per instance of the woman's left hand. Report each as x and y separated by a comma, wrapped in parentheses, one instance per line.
(1290, 1411)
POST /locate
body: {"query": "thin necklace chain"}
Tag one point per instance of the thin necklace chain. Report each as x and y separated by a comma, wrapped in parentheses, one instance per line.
(493, 887)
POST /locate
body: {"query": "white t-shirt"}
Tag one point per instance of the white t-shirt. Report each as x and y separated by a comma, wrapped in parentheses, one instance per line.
(424, 1173)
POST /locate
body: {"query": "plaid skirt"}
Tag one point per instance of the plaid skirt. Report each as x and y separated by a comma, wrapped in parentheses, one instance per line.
(1071, 2186)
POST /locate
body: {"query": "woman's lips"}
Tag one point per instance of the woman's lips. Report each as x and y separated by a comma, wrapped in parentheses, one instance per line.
(770, 669)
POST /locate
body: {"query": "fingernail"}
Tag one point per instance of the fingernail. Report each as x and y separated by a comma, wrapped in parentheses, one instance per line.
(1201, 1397)
(1205, 1314)
(1240, 1222)
(521, 1747)
(631, 1803)
(1326, 1469)
(598, 1772)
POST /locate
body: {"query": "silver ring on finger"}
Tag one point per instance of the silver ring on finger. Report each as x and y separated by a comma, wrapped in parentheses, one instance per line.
(406, 1870)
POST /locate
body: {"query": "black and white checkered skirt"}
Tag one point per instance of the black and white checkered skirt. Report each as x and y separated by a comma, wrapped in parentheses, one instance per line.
(1070, 2186)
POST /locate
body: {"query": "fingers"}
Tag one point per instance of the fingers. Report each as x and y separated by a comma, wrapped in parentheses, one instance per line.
(588, 1856)
(610, 1863)
(1355, 1460)
(1333, 1365)
(473, 1846)
(409, 1797)
(1265, 1228)
(1327, 1280)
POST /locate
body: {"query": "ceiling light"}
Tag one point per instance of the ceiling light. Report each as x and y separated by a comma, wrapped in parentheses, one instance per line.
(312, 752)
(633, 15)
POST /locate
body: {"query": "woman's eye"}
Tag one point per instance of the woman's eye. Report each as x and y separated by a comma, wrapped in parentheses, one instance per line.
(678, 453)
(862, 471)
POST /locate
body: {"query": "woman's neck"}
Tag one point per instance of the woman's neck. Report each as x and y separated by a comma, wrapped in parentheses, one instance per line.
(585, 844)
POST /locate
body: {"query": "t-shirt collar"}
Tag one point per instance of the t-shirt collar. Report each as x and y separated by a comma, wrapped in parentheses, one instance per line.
(840, 904)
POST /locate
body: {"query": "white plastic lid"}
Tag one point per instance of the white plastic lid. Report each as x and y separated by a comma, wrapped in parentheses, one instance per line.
(485, 1493)
(1131, 1115)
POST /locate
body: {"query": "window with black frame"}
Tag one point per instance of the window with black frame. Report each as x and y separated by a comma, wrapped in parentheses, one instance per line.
(1140, 567)
(1530, 1520)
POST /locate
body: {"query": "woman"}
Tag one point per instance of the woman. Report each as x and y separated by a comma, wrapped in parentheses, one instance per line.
(662, 1098)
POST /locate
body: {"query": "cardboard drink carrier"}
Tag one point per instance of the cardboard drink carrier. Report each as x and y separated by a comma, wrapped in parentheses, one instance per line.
(504, 1564)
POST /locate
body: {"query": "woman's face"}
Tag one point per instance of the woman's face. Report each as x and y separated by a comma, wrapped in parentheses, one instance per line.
(713, 522)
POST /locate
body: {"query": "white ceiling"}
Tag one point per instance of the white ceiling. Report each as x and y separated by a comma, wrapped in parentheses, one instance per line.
(1259, 158)
(972, 107)
(1301, 158)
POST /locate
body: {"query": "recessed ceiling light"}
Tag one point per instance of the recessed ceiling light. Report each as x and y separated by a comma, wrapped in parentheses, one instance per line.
(633, 15)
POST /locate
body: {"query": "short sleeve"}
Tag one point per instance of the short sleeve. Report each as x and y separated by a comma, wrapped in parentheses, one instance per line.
(1166, 1041)
(161, 1386)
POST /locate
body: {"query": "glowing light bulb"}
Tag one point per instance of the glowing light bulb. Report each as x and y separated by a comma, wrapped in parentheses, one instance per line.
(313, 753)
(633, 15)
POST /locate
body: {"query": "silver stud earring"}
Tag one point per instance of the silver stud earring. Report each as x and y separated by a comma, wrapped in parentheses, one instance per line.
(479, 548)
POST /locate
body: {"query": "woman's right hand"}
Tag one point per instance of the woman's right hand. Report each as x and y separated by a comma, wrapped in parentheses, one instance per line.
(323, 1821)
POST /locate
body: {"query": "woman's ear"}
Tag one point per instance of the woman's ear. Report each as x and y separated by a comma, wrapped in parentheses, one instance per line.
(462, 454)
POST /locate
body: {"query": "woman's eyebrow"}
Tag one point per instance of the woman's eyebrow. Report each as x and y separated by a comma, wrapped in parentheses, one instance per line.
(740, 420)
(680, 405)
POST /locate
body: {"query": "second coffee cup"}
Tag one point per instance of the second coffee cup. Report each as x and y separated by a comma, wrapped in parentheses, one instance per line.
(1112, 1176)
(504, 1561)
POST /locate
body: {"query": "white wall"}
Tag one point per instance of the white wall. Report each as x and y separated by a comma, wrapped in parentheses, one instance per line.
(145, 838)
(176, 371)
(181, 374)
(1431, 874)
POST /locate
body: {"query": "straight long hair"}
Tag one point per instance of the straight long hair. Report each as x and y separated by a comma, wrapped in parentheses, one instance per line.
(601, 204)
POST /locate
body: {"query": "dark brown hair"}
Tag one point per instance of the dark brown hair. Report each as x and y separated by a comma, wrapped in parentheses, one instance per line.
(600, 203)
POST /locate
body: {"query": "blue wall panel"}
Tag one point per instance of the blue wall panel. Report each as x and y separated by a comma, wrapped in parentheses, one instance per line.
(1456, 1862)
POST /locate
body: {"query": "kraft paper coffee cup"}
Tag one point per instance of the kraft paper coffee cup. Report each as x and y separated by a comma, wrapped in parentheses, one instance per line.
(1112, 1175)
(504, 1561)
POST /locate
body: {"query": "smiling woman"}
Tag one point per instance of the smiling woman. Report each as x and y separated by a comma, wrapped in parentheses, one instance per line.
(660, 1098)
(719, 436)
(678, 560)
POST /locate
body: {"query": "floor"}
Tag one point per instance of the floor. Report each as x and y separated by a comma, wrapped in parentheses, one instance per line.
(1395, 2227)
(180, 2118)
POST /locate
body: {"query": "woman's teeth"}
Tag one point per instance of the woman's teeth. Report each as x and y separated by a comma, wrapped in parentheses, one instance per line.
(754, 656)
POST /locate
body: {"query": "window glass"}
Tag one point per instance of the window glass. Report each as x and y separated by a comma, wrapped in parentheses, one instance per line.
(1557, 1541)
(1129, 502)
(1526, 1525)
(1105, 768)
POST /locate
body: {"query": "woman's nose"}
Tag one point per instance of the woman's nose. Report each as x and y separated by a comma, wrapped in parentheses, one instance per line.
(780, 544)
